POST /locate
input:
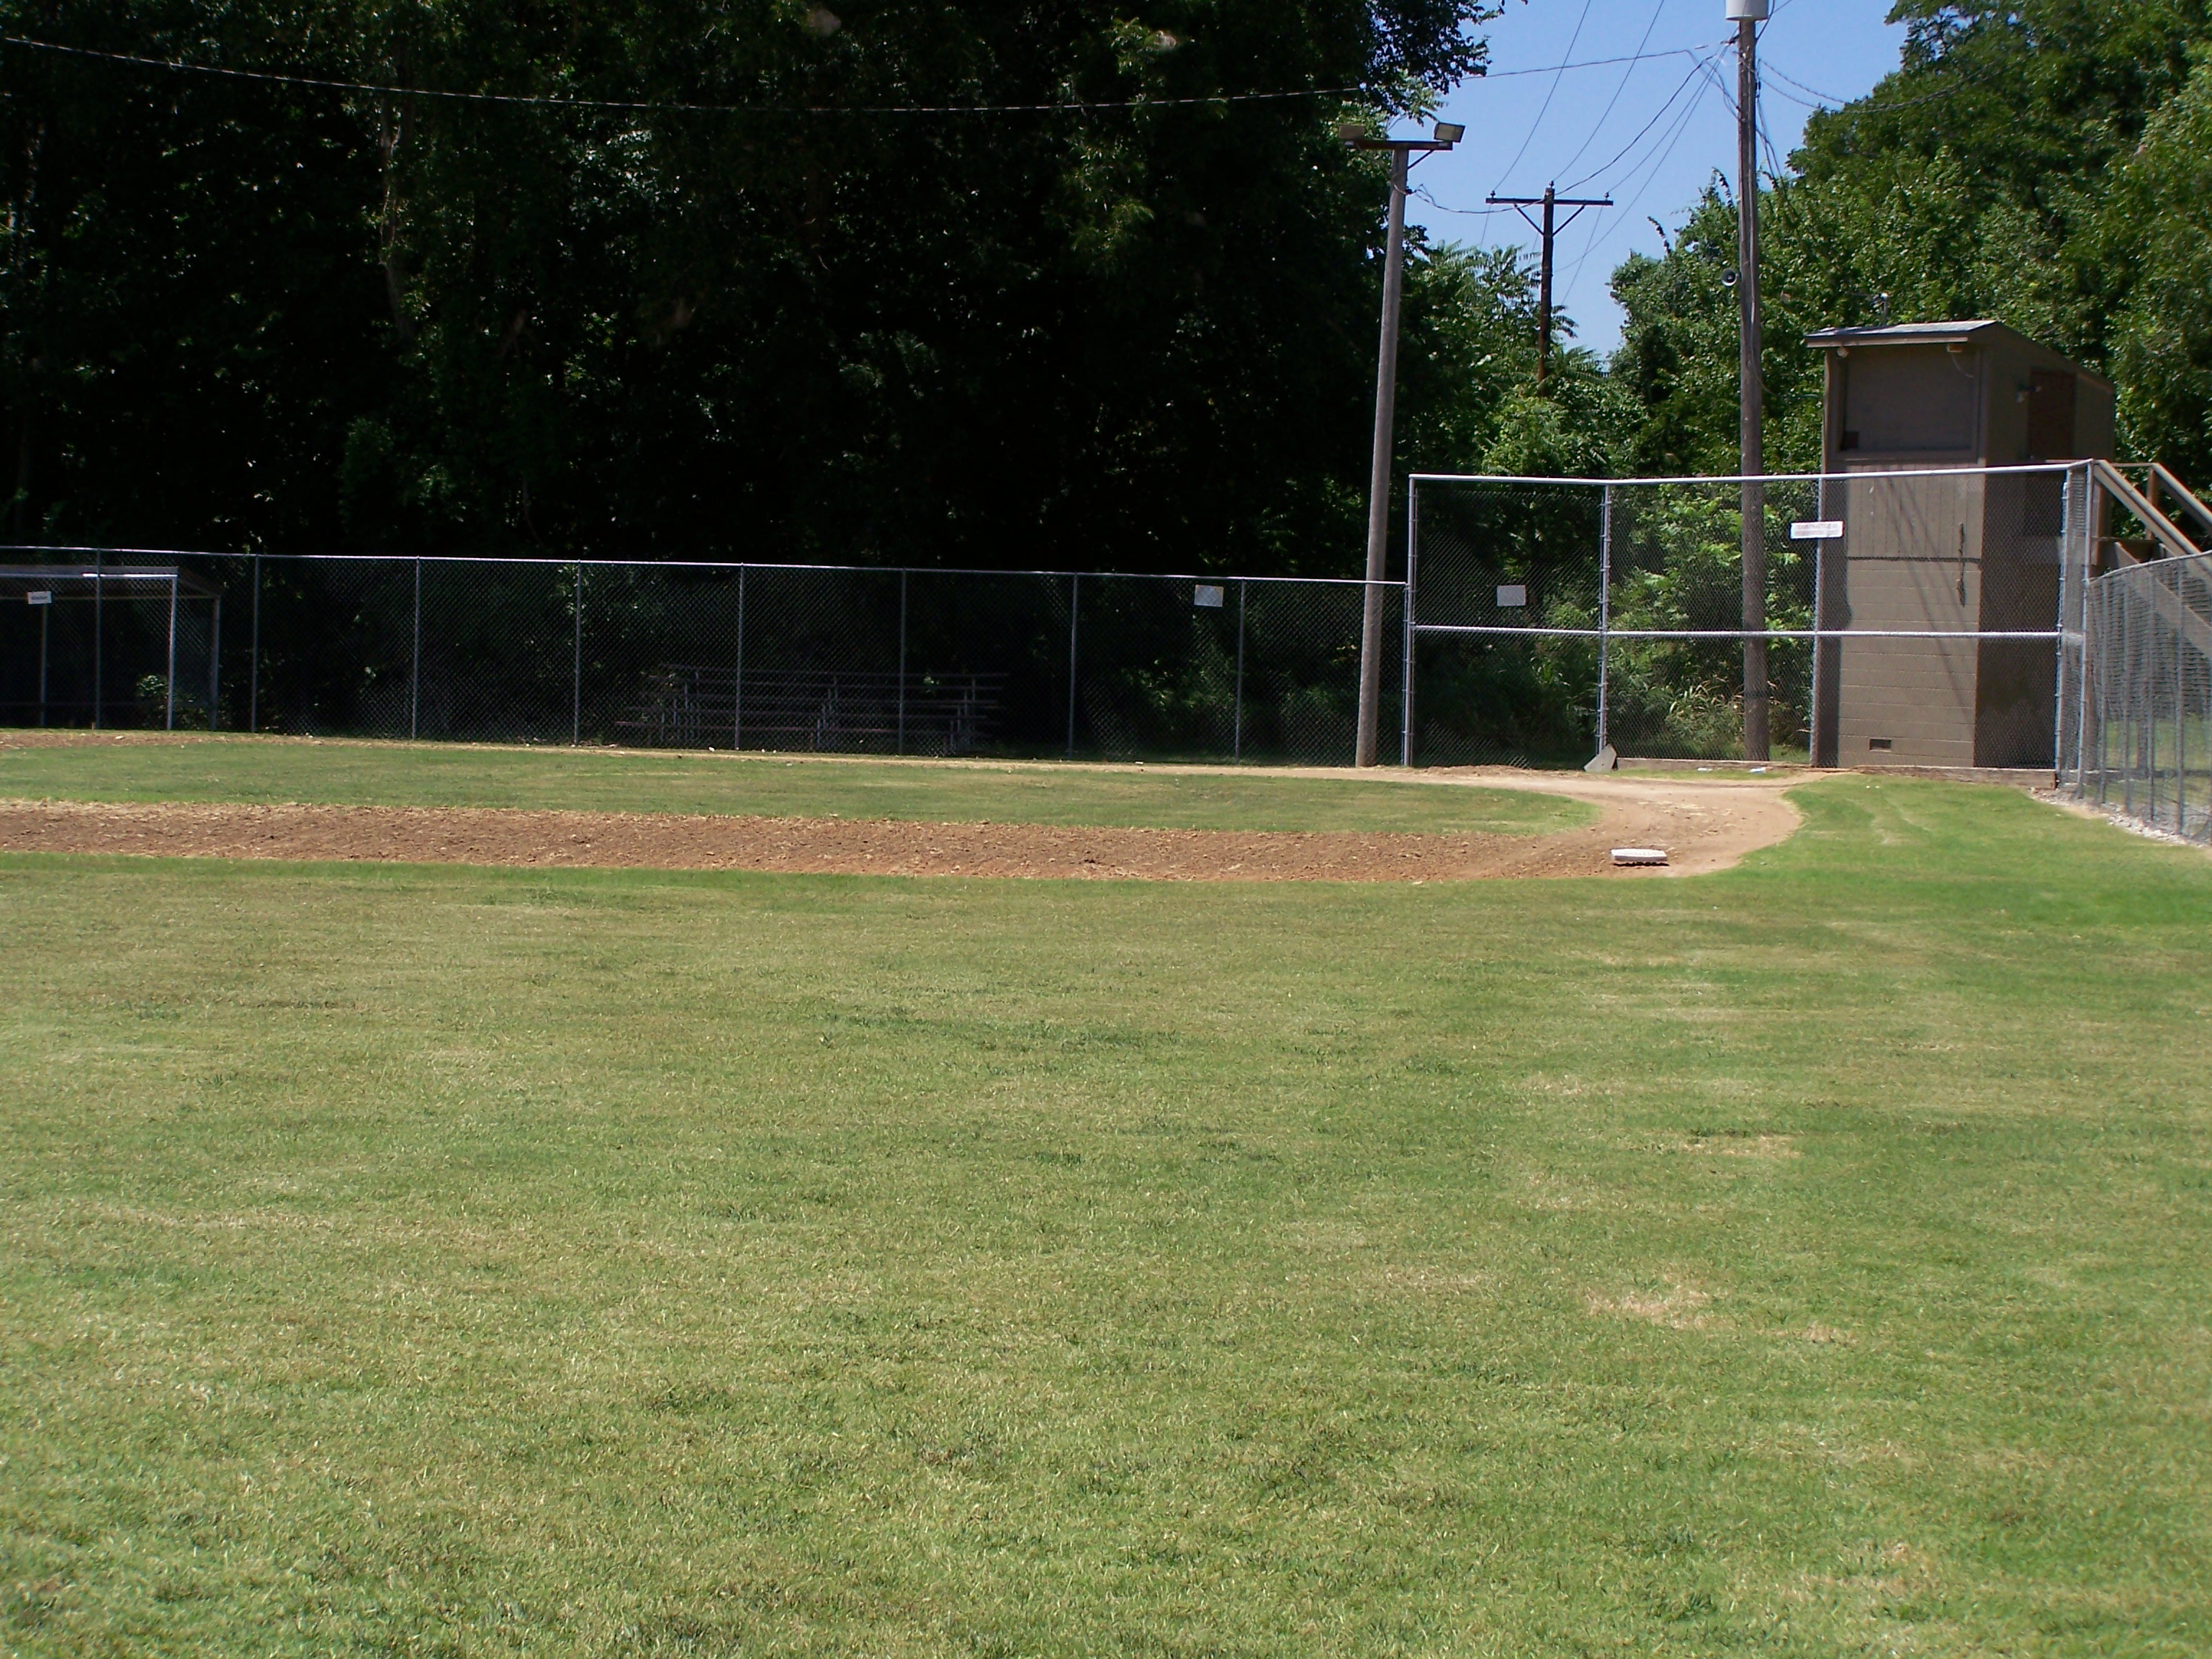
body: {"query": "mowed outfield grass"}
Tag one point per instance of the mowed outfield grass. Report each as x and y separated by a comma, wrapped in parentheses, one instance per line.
(357, 774)
(1807, 1260)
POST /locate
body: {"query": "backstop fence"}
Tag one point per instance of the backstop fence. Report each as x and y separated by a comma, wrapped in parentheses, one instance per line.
(1911, 616)
(2047, 617)
(695, 655)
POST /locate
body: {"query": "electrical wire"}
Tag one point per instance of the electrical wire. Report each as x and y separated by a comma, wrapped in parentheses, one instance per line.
(1658, 161)
(1638, 55)
(272, 77)
(1854, 107)
(1626, 76)
(1697, 68)
(678, 107)
(1700, 68)
(1529, 137)
(1824, 97)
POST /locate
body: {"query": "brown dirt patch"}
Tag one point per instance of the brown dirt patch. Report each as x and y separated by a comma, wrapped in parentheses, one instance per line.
(1704, 826)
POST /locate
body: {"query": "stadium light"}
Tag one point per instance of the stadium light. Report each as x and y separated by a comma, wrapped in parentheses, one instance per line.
(1448, 133)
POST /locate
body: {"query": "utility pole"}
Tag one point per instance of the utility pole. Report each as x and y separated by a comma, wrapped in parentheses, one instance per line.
(1549, 201)
(1747, 16)
(1386, 402)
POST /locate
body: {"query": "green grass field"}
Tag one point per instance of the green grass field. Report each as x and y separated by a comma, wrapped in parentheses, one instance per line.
(429, 774)
(1807, 1260)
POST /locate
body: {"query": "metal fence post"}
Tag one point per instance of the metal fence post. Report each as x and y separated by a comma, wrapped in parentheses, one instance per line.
(99, 629)
(1605, 609)
(2120, 705)
(215, 663)
(169, 680)
(1074, 599)
(44, 610)
(2065, 596)
(415, 662)
(254, 656)
(1406, 617)
(901, 680)
(576, 691)
(737, 699)
(1237, 729)
(1820, 614)
(2180, 726)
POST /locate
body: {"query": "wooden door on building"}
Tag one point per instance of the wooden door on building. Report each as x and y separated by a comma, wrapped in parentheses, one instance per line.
(2050, 415)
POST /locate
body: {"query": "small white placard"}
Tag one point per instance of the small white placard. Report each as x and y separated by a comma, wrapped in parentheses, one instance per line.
(1208, 597)
(1512, 596)
(42, 596)
(1817, 530)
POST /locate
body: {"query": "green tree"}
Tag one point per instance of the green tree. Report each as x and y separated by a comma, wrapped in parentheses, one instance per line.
(831, 328)
(2160, 343)
(2029, 161)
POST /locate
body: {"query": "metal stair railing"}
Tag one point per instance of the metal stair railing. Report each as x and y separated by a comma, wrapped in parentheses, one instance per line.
(2163, 530)
(2161, 478)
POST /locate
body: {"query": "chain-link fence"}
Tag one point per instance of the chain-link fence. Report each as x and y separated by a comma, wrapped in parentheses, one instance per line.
(1910, 617)
(148, 635)
(2145, 736)
(844, 660)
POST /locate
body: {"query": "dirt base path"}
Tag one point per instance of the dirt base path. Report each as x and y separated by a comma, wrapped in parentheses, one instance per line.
(1705, 824)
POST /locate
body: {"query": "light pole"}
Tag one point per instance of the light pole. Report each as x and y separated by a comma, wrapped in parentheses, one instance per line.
(1747, 16)
(1385, 401)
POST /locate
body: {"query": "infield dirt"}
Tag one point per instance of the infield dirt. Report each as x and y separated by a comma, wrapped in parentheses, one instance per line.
(1704, 822)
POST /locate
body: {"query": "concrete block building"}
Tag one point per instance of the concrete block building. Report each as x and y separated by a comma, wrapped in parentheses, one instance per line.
(1967, 549)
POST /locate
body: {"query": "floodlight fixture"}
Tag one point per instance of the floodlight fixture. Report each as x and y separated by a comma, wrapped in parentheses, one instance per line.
(1449, 132)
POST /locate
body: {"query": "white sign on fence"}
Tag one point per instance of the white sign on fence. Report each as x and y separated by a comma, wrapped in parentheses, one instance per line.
(1817, 530)
(42, 596)
(1513, 598)
(1208, 597)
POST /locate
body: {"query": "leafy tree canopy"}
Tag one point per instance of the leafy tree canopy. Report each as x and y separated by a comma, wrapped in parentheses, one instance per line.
(2045, 162)
(247, 313)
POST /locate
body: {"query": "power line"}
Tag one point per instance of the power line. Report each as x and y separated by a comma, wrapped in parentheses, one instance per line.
(1657, 161)
(1869, 104)
(1824, 97)
(332, 83)
(1697, 67)
(1639, 56)
(1626, 76)
(1700, 68)
(1529, 137)
(676, 107)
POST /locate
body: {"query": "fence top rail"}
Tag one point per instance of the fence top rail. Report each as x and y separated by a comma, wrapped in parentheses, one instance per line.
(673, 564)
(12, 574)
(2195, 564)
(1755, 477)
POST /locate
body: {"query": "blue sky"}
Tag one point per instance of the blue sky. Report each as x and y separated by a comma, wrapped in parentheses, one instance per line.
(1649, 134)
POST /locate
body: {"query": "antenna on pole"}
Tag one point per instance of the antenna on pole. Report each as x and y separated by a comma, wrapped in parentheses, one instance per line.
(1550, 201)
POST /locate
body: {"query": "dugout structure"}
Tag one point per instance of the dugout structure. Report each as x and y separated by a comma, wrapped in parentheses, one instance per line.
(1941, 593)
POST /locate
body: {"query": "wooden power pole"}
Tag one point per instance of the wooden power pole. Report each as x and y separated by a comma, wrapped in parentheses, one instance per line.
(1551, 201)
(1751, 391)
